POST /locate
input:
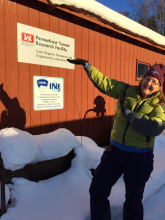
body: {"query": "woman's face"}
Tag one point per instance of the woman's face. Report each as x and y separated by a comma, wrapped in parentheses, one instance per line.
(149, 85)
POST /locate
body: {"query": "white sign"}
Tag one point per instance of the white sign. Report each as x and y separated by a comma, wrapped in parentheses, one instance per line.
(48, 93)
(42, 47)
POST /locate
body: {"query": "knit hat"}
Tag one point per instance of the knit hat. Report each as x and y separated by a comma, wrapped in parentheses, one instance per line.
(157, 71)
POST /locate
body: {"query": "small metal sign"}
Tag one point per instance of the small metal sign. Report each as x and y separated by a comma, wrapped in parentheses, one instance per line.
(48, 93)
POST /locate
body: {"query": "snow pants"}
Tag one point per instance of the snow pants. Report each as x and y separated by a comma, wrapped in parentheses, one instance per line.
(136, 168)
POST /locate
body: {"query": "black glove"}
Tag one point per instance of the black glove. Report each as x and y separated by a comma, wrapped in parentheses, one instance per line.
(78, 61)
(123, 102)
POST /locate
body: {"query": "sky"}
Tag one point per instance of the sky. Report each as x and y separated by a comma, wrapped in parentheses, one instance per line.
(116, 5)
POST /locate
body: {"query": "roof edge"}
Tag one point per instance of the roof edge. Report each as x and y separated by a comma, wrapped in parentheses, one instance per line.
(104, 23)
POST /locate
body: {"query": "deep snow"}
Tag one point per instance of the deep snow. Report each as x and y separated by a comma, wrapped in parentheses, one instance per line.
(66, 197)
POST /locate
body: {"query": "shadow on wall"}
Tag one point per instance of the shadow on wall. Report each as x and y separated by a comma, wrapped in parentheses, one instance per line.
(100, 107)
(13, 115)
(96, 127)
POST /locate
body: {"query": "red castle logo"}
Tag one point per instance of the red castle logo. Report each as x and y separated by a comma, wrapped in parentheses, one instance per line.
(27, 37)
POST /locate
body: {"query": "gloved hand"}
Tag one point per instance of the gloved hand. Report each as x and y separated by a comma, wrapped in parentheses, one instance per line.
(123, 102)
(78, 61)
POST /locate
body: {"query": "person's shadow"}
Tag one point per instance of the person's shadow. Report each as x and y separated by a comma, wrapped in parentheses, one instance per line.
(99, 109)
(13, 115)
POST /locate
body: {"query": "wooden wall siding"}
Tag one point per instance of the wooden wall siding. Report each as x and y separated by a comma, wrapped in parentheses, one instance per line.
(54, 72)
(91, 102)
(3, 98)
(78, 81)
(86, 111)
(109, 102)
(34, 116)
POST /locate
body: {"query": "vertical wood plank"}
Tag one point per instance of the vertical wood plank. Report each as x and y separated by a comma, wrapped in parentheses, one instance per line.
(135, 51)
(109, 101)
(96, 91)
(63, 74)
(54, 27)
(130, 67)
(35, 70)
(159, 58)
(152, 58)
(77, 79)
(84, 82)
(13, 117)
(156, 58)
(24, 77)
(70, 95)
(126, 72)
(3, 94)
(122, 61)
(138, 57)
(148, 55)
(102, 98)
(118, 60)
(90, 113)
(45, 71)
(113, 68)
(117, 63)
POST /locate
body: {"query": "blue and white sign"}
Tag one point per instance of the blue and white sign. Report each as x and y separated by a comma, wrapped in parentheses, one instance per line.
(48, 93)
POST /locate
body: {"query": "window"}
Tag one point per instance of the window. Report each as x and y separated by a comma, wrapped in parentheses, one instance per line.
(142, 68)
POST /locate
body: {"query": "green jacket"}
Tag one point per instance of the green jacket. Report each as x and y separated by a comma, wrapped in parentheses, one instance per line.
(142, 122)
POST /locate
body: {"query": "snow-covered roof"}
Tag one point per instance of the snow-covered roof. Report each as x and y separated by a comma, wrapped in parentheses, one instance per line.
(111, 16)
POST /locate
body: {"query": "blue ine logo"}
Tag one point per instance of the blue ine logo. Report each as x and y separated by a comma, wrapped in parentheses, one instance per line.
(42, 84)
(55, 86)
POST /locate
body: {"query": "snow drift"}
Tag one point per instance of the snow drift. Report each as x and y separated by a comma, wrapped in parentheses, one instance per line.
(66, 196)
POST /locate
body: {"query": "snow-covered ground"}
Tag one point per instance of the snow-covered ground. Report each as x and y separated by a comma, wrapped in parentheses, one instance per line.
(66, 196)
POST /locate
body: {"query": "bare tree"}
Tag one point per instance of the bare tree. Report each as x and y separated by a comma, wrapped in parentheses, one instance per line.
(150, 13)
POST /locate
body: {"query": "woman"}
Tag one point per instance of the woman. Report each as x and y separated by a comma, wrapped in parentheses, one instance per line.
(139, 117)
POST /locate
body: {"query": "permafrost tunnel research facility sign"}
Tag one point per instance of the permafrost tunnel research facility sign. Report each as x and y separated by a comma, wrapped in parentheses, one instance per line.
(42, 47)
(37, 46)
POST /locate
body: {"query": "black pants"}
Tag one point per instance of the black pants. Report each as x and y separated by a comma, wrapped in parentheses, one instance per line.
(136, 168)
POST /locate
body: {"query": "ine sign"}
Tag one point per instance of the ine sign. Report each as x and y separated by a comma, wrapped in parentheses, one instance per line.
(42, 47)
(48, 93)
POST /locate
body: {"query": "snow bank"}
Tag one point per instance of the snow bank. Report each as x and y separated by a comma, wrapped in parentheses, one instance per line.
(19, 148)
(89, 154)
(114, 17)
(66, 196)
(154, 199)
(31, 200)
(55, 144)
